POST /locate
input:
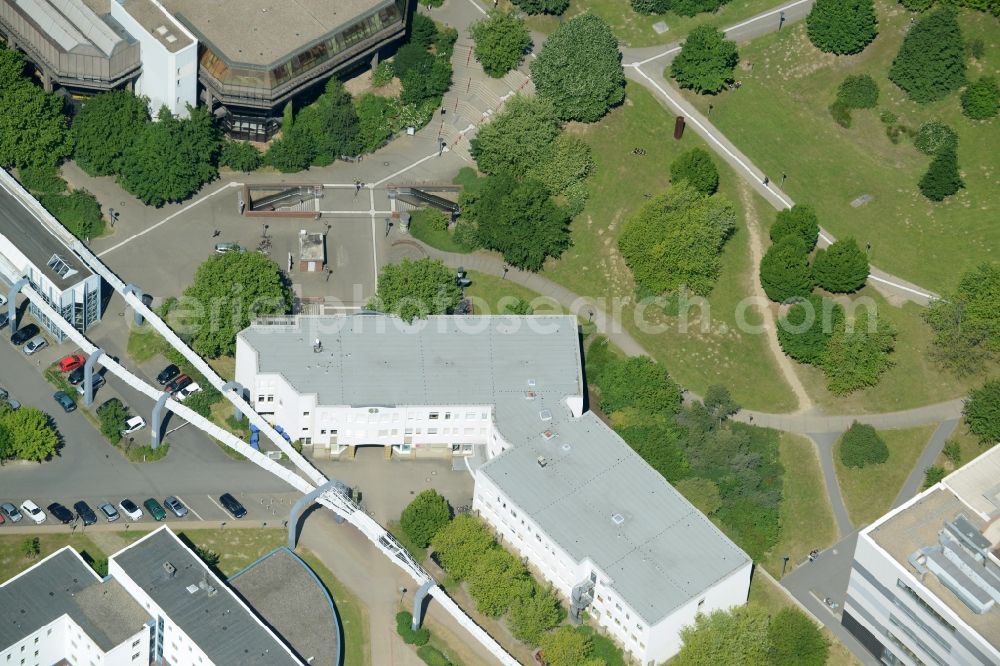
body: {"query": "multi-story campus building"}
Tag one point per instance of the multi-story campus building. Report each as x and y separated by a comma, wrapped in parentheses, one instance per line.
(161, 604)
(244, 59)
(559, 486)
(32, 248)
(925, 582)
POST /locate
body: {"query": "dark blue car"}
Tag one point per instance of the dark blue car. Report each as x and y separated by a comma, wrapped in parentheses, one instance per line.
(85, 513)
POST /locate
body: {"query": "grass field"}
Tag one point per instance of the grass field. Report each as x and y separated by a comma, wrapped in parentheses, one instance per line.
(806, 518)
(712, 349)
(490, 293)
(237, 548)
(353, 614)
(423, 228)
(913, 381)
(13, 561)
(779, 118)
(635, 30)
(869, 491)
(968, 445)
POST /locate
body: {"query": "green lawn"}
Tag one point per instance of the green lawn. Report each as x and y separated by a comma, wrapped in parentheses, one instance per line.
(635, 30)
(969, 446)
(869, 491)
(237, 548)
(145, 343)
(353, 614)
(712, 349)
(491, 293)
(13, 561)
(806, 518)
(913, 381)
(423, 228)
(779, 118)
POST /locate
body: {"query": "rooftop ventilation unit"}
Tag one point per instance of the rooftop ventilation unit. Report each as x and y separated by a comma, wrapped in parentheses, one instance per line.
(530, 395)
(170, 39)
(531, 383)
(60, 267)
(170, 569)
(617, 519)
(192, 588)
(566, 447)
(542, 462)
(545, 415)
(161, 30)
(548, 434)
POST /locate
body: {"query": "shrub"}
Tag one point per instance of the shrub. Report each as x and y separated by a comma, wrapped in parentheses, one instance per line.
(41, 179)
(942, 178)
(692, 7)
(953, 452)
(501, 41)
(932, 475)
(639, 383)
(934, 136)
(931, 61)
(542, 6)
(202, 401)
(841, 114)
(795, 640)
(861, 446)
(112, 417)
(423, 30)
(78, 211)
(859, 354)
(804, 331)
(697, 168)
(650, 6)
(975, 48)
(982, 412)
(383, 74)
(917, 5)
(888, 118)
(842, 26)
(858, 91)
(405, 630)
(784, 270)
(841, 268)
(431, 655)
(981, 99)
(424, 516)
(240, 156)
(799, 220)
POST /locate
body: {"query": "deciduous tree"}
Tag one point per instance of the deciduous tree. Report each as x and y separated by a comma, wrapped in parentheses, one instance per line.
(579, 70)
(501, 42)
(31, 433)
(566, 646)
(842, 267)
(858, 353)
(460, 544)
(981, 99)
(842, 26)
(706, 61)
(240, 156)
(516, 141)
(982, 412)
(424, 516)
(105, 129)
(799, 220)
(640, 383)
(32, 125)
(497, 580)
(966, 322)
(795, 640)
(942, 178)
(804, 331)
(733, 638)
(861, 446)
(931, 61)
(784, 270)
(112, 418)
(532, 616)
(542, 6)
(934, 136)
(414, 289)
(696, 167)
(564, 163)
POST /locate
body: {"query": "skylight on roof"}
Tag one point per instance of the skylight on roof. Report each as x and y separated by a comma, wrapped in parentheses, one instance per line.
(60, 267)
(617, 519)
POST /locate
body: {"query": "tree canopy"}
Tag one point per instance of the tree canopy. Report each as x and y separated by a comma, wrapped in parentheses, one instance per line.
(171, 158)
(579, 70)
(706, 61)
(942, 178)
(842, 267)
(30, 434)
(784, 271)
(934, 136)
(516, 140)
(519, 220)
(981, 99)
(982, 412)
(966, 322)
(861, 446)
(696, 167)
(567, 647)
(459, 545)
(842, 26)
(795, 640)
(416, 288)
(805, 330)
(675, 240)
(501, 41)
(228, 291)
(321, 132)
(240, 156)
(542, 6)
(498, 579)
(530, 617)
(564, 163)
(931, 61)
(640, 383)
(799, 220)
(424, 516)
(735, 638)
(33, 128)
(105, 130)
(859, 353)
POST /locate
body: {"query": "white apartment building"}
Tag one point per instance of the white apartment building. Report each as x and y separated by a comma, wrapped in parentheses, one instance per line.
(35, 246)
(169, 55)
(559, 486)
(925, 581)
(160, 604)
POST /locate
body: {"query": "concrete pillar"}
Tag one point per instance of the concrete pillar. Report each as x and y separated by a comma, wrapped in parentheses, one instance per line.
(296, 513)
(418, 604)
(12, 302)
(157, 421)
(242, 392)
(88, 377)
(133, 289)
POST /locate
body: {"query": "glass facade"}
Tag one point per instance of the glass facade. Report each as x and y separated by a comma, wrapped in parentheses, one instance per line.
(259, 81)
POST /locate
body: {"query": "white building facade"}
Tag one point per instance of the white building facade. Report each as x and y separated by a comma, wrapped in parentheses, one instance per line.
(559, 487)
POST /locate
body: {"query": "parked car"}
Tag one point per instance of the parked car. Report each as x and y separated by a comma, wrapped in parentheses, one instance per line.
(35, 344)
(85, 513)
(133, 424)
(185, 392)
(9, 510)
(175, 506)
(32, 511)
(3, 300)
(155, 509)
(178, 384)
(64, 401)
(2, 519)
(60, 513)
(233, 505)
(97, 381)
(76, 376)
(222, 248)
(109, 511)
(5, 397)
(4, 319)
(22, 335)
(129, 508)
(71, 362)
(167, 374)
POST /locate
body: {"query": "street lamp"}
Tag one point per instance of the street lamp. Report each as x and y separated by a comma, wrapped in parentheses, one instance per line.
(781, 19)
(505, 269)
(402, 591)
(783, 176)
(783, 565)
(264, 233)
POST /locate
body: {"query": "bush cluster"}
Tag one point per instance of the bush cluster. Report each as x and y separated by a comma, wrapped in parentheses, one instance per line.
(842, 26)
(934, 136)
(404, 628)
(861, 446)
(697, 168)
(981, 99)
(805, 330)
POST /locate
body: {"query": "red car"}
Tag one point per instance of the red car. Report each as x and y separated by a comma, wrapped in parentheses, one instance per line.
(72, 362)
(177, 384)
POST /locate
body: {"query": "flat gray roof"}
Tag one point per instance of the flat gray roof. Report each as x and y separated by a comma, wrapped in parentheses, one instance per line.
(20, 226)
(62, 584)
(262, 32)
(157, 23)
(664, 552)
(222, 627)
(283, 590)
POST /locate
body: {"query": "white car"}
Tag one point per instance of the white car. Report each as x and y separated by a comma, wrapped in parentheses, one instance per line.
(183, 394)
(133, 424)
(130, 509)
(32, 511)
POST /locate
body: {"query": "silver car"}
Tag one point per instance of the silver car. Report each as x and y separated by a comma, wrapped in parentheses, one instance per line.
(35, 344)
(109, 511)
(9, 510)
